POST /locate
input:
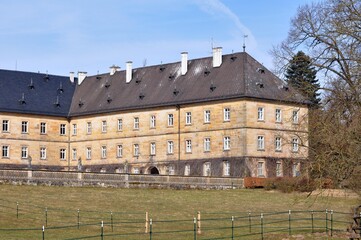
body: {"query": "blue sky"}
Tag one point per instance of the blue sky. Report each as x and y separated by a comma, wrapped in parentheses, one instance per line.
(91, 35)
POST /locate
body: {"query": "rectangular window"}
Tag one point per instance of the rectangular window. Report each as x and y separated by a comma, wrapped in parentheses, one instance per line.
(226, 168)
(152, 121)
(135, 170)
(170, 120)
(170, 170)
(136, 123)
(226, 114)
(43, 128)
(104, 151)
(188, 118)
(170, 147)
(63, 154)
(75, 129)
(24, 127)
(278, 144)
(88, 128)
(104, 126)
(187, 170)
(62, 129)
(120, 124)
(226, 143)
(88, 153)
(152, 148)
(5, 151)
(207, 169)
(260, 142)
(207, 116)
(24, 152)
(42, 153)
(5, 126)
(295, 145)
(188, 146)
(260, 116)
(279, 169)
(74, 154)
(136, 149)
(207, 144)
(260, 166)
(278, 115)
(295, 116)
(119, 151)
(296, 169)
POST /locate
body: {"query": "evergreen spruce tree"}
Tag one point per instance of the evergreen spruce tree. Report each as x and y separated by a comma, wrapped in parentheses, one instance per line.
(301, 75)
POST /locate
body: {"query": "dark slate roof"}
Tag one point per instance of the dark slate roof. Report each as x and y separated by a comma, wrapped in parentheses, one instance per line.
(239, 76)
(35, 93)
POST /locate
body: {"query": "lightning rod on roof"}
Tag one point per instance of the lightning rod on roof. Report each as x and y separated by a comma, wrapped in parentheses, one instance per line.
(244, 42)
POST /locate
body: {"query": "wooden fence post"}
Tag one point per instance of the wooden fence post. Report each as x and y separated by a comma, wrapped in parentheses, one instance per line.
(199, 230)
(146, 222)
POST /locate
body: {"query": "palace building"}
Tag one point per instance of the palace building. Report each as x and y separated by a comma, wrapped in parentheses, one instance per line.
(224, 115)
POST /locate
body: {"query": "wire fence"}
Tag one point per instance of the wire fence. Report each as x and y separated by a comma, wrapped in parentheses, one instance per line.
(37, 222)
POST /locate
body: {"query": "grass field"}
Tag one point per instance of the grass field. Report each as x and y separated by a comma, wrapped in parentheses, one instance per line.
(25, 209)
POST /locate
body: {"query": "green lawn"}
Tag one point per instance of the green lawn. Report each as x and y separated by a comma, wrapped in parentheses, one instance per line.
(170, 210)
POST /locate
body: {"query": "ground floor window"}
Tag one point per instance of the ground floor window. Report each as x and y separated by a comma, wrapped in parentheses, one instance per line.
(296, 169)
(226, 168)
(279, 171)
(207, 169)
(260, 169)
(187, 170)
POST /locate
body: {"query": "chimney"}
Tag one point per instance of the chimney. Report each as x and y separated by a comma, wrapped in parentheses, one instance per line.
(129, 71)
(114, 69)
(184, 63)
(71, 77)
(81, 77)
(217, 56)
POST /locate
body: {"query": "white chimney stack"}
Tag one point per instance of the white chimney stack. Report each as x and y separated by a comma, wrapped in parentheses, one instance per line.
(81, 77)
(184, 63)
(217, 56)
(71, 77)
(114, 69)
(129, 71)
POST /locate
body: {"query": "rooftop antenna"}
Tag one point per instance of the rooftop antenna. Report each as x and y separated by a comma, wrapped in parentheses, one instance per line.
(244, 42)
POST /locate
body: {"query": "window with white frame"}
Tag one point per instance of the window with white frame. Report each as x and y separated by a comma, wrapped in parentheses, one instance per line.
(278, 115)
(119, 150)
(226, 143)
(170, 170)
(152, 148)
(226, 114)
(226, 168)
(207, 116)
(6, 126)
(136, 149)
(296, 169)
(170, 147)
(120, 124)
(104, 151)
(279, 169)
(260, 142)
(42, 153)
(136, 123)
(24, 127)
(135, 170)
(188, 146)
(62, 154)
(5, 151)
(278, 144)
(42, 128)
(260, 169)
(88, 153)
(75, 129)
(295, 145)
(260, 114)
(88, 127)
(152, 121)
(207, 144)
(24, 152)
(104, 126)
(188, 118)
(62, 129)
(187, 170)
(295, 116)
(74, 154)
(170, 120)
(207, 169)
